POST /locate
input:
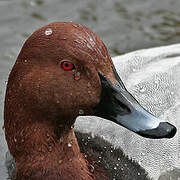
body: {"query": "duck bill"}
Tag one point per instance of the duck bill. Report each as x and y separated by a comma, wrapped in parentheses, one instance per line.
(118, 105)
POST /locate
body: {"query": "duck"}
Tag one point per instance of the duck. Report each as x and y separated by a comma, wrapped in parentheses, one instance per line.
(64, 71)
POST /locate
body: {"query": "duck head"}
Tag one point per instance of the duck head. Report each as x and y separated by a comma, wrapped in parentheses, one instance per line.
(64, 70)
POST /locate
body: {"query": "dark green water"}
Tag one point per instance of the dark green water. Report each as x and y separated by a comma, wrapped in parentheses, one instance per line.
(124, 26)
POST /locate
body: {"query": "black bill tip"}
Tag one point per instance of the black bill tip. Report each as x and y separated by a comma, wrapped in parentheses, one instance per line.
(164, 130)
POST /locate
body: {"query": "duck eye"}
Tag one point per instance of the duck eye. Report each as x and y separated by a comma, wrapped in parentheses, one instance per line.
(67, 66)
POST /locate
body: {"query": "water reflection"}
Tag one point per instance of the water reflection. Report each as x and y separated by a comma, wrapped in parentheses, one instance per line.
(89, 13)
(38, 16)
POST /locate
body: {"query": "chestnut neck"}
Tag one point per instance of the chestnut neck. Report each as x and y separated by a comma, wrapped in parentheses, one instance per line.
(49, 156)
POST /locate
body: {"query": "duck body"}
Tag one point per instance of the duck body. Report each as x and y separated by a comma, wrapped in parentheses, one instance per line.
(63, 71)
(100, 153)
(114, 162)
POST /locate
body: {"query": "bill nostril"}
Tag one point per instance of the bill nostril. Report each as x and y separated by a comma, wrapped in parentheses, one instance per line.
(122, 107)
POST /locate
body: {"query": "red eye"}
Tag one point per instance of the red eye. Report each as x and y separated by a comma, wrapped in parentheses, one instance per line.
(67, 66)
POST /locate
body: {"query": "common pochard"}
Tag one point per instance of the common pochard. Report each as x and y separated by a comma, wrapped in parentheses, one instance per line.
(64, 70)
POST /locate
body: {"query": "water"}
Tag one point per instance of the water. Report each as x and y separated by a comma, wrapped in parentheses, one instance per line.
(48, 32)
(123, 25)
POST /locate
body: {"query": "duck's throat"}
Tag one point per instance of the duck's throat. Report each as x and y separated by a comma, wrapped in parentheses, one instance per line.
(49, 157)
